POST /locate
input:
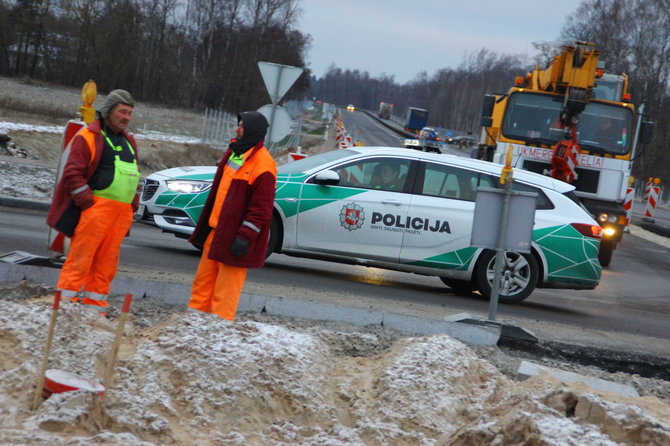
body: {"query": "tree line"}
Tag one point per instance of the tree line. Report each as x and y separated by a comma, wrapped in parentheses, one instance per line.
(633, 37)
(190, 53)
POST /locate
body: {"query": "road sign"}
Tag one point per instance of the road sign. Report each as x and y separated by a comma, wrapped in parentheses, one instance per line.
(488, 219)
(296, 156)
(278, 78)
(280, 122)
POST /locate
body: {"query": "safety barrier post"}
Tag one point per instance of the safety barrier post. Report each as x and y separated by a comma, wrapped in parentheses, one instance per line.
(647, 189)
(652, 199)
(628, 202)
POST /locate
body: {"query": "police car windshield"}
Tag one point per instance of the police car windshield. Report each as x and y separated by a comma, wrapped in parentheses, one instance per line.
(311, 162)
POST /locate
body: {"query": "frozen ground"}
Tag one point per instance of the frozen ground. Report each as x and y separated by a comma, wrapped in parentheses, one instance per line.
(189, 378)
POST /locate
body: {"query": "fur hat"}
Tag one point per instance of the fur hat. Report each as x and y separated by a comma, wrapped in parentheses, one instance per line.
(113, 98)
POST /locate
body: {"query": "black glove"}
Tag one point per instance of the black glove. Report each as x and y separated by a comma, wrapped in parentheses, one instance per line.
(239, 247)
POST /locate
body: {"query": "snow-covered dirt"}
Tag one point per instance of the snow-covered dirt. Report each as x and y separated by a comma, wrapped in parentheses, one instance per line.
(191, 378)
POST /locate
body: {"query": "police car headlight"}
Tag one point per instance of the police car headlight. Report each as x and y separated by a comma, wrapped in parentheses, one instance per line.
(188, 186)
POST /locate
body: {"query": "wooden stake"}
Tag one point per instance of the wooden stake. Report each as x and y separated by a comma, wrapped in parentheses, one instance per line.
(111, 361)
(47, 349)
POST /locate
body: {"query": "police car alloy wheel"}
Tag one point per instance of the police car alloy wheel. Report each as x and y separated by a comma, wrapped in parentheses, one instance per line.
(519, 276)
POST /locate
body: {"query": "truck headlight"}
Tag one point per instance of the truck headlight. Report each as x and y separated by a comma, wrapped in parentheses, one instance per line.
(609, 231)
(606, 218)
(188, 186)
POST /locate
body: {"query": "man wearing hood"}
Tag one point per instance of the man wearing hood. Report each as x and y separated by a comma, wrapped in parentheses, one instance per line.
(95, 199)
(234, 226)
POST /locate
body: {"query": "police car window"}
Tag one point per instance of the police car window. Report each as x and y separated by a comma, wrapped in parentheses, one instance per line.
(389, 174)
(450, 182)
(313, 161)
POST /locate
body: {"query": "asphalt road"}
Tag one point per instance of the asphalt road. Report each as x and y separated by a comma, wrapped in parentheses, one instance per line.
(630, 305)
(632, 299)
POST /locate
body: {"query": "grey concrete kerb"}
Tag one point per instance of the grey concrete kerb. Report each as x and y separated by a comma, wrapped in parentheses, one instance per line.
(179, 294)
(24, 203)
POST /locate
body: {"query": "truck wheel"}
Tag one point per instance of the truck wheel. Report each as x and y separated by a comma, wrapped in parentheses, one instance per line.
(607, 247)
(520, 275)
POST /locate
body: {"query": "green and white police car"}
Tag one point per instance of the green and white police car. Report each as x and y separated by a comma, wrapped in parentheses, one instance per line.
(408, 211)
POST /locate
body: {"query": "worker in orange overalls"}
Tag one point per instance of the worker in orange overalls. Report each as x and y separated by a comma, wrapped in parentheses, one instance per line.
(234, 226)
(95, 200)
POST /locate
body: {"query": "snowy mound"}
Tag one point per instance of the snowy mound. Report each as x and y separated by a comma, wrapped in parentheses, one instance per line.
(195, 379)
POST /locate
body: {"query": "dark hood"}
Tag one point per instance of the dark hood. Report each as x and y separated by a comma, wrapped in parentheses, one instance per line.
(255, 127)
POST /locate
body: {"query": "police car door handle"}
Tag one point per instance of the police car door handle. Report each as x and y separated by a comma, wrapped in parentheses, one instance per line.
(393, 202)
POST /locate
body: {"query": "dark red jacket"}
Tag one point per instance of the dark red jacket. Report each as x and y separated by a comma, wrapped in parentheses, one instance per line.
(81, 164)
(249, 199)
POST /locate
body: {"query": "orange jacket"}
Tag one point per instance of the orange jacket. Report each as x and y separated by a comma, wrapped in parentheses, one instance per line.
(246, 211)
(72, 194)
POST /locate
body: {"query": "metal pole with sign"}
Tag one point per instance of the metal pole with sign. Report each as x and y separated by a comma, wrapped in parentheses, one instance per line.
(278, 79)
(496, 211)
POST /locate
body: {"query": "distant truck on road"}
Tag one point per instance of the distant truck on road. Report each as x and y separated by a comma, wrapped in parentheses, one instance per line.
(385, 110)
(416, 119)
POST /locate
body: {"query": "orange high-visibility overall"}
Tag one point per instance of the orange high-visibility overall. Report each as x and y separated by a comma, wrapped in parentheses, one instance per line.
(93, 258)
(94, 252)
(216, 286)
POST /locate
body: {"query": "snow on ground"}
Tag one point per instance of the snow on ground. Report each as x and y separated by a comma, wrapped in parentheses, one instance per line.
(6, 127)
(192, 378)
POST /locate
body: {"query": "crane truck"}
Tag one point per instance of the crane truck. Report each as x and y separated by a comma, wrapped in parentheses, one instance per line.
(576, 123)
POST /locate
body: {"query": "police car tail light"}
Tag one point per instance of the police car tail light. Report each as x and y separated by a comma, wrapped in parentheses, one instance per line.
(587, 230)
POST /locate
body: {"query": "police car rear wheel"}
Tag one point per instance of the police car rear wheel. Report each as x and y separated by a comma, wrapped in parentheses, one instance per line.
(519, 276)
(605, 253)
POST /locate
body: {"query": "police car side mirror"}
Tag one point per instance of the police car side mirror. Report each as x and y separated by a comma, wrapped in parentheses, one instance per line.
(327, 178)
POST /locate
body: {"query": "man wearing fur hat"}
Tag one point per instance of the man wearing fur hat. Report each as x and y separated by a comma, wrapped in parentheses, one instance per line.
(95, 199)
(234, 226)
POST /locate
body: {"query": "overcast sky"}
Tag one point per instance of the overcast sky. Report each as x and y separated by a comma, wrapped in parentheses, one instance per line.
(404, 37)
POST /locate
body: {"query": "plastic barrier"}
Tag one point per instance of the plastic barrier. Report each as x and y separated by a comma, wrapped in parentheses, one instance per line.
(628, 205)
(652, 199)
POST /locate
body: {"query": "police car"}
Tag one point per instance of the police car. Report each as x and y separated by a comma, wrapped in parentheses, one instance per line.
(338, 206)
